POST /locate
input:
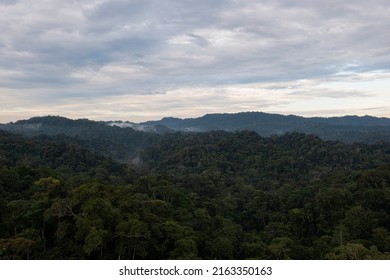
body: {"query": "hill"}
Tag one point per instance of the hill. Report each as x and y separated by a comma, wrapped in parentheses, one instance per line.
(120, 143)
(348, 128)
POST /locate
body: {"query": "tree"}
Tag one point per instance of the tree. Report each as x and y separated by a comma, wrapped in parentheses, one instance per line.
(359, 222)
(134, 236)
(94, 241)
(281, 248)
(16, 248)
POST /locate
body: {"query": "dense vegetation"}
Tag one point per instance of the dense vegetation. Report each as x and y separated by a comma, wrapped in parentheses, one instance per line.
(122, 144)
(214, 195)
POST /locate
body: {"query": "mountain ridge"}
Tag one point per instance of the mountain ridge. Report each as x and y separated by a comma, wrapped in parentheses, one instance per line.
(125, 141)
(348, 128)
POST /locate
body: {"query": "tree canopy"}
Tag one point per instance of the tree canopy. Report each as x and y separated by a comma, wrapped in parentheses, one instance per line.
(213, 195)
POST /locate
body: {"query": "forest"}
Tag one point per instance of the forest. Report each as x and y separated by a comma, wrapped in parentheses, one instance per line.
(209, 195)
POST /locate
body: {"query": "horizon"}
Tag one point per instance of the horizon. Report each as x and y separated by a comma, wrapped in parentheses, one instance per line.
(196, 117)
(146, 60)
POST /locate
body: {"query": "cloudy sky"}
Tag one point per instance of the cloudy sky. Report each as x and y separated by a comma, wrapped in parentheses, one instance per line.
(146, 59)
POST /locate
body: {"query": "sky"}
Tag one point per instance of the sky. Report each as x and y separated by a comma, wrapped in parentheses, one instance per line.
(141, 60)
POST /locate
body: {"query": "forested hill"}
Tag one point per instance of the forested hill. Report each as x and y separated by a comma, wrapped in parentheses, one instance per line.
(24, 161)
(348, 129)
(124, 141)
(123, 144)
(48, 156)
(213, 195)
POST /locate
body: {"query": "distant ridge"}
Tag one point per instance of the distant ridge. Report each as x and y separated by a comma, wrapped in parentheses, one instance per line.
(366, 129)
(123, 144)
(346, 128)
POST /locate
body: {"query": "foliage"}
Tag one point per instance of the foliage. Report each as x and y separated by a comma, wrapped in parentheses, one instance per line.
(214, 195)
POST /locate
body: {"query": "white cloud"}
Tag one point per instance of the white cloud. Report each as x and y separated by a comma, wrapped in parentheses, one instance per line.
(111, 74)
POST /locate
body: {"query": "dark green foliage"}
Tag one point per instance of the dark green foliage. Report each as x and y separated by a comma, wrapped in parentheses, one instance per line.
(214, 195)
(123, 144)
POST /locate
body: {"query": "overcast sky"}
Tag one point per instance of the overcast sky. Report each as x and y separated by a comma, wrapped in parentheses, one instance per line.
(146, 59)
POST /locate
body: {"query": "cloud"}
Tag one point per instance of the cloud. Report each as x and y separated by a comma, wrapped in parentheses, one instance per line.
(303, 97)
(56, 51)
(8, 2)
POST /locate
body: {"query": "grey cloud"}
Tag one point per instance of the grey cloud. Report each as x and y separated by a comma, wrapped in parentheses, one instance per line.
(8, 2)
(137, 30)
(199, 40)
(119, 10)
(56, 45)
